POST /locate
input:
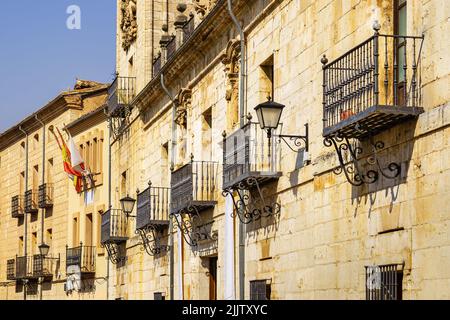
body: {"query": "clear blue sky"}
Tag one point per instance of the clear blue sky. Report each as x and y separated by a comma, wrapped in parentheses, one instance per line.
(40, 56)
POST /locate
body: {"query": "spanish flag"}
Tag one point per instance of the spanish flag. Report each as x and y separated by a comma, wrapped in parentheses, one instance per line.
(74, 175)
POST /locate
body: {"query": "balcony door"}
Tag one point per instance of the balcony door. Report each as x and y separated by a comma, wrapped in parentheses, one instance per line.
(400, 26)
(89, 231)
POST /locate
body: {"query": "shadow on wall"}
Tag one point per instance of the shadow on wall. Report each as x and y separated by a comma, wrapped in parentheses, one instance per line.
(387, 159)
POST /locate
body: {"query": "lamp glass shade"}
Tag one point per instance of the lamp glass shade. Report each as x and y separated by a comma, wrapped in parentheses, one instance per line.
(43, 249)
(269, 114)
(127, 204)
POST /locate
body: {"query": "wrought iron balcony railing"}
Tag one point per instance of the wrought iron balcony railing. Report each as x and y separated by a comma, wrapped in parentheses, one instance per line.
(249, 154)
(45, 196)
(114, 227)
(44, 266)
(194, 184)
(80, 259)
(17, 206)
(120, 94)
(152, 207)
(373, 86)
(152, 218)
(11, 269)
(24, 267)
(31, 201)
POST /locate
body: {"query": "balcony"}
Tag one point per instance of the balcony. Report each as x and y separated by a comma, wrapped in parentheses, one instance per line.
(45, 196)
(249, 157)
(24, 268)
(80, 259)
(17, 206)
(152, 207)
(194, 185)
(372, 87)
(120, 94)
(11, 269)
(114, 227)
(44, 267)
(31, 201)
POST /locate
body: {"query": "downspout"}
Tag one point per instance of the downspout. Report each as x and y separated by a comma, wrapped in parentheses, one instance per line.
(242, 112)
(25, 238)
(109, 194)
(172, 156)
(43, 181)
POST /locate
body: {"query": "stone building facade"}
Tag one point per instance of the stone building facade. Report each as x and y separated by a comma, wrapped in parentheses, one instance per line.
(328, 224)
(344, 199)
(56, 214)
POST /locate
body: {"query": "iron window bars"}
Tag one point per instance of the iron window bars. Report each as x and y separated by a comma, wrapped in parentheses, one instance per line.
(152, 217)
(11, 269)
(384, 282)
(364, 93)
(250, 159)
(260, 290)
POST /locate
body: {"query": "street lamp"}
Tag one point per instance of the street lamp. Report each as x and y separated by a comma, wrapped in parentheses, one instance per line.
(269, 115)
(43, 249)
(127, 205)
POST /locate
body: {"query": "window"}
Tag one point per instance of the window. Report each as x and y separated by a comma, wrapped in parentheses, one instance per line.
(21, 252)
(400, 24)
(49, 237)
(266, 81)
(75, 235)
(165, 164)
(260, 290)
(22, 183)
(22, 149)
(50, 171)
(123, 185)
(36, 142)
(89, 231)
(207, 135)
(35, 185)
(34, 245)
(384, 282)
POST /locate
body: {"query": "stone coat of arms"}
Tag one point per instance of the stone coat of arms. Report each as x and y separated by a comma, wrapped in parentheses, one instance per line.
(128, 22)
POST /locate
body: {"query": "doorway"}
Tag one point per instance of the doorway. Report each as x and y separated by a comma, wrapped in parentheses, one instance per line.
(212, 278)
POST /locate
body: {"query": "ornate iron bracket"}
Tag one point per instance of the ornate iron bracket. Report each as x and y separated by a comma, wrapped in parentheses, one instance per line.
(294, 142)
(119, 124)
(248, 208)
(113, 252)
(352, 169)
(151, 239)
(192, 226)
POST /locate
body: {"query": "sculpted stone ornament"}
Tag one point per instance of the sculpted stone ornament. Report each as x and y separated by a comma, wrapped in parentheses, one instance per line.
(128, 23)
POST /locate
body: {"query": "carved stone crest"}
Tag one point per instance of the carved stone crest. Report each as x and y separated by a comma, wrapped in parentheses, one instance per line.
(128, 22)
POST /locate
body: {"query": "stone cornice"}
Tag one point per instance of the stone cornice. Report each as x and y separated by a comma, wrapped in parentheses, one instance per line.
(211, 27)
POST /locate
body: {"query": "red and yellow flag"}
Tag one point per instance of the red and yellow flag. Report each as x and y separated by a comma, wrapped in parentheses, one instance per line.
(73, 174)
